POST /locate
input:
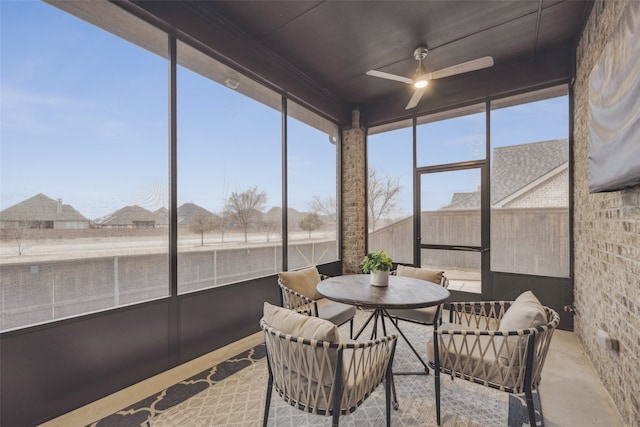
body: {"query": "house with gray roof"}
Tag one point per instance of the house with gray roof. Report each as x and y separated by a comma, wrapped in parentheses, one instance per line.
(469, 200)
(162, 217)
(129, 217)
(41, 211)
(524, 176)
(531, 175)
(188, 211)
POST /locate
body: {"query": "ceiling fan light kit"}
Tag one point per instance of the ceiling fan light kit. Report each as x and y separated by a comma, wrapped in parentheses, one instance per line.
(421, 81)
(422, 78)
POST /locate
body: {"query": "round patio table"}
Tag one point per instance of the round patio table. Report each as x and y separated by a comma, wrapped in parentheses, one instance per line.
(402, 292)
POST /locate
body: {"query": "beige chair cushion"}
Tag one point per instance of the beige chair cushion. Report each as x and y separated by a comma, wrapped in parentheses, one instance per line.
(524, 313)
(420, 273)
(302, 281)
(300, 325)
(335, 312)
(423, 315)
(475, 356)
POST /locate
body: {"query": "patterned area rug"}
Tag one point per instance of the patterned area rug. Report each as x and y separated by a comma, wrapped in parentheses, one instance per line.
(232, 393)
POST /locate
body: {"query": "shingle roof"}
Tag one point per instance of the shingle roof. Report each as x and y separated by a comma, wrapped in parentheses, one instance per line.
(41, 208)
(162, 215)
(127, 216)
(187, 211)
(464, 201)
(515, 166)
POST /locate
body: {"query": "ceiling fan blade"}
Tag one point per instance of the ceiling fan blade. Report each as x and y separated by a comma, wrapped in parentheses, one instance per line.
(465, 67)
(388, 76)
(417, 95)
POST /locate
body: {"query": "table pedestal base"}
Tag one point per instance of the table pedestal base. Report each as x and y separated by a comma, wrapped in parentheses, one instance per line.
(378, 315)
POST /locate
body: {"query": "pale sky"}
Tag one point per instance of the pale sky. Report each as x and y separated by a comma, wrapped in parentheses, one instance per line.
(84, 118)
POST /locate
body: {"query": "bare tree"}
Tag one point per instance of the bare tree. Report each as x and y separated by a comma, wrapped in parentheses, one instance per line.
(324, 206)
(310, 222)
(245, 206)
(224, 219)
(202, 223)
(222, 222)
(17, 232)
(383, 192)
(271, 226)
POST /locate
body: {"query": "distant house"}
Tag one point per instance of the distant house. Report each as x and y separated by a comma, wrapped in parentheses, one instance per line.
(162, 216)
(41, 211)
(524, 176)
(187, 211)
(469, 200)
(273, 216)
(129, 217)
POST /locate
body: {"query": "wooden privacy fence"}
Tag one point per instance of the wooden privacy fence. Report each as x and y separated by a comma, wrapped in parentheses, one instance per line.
(528, 241)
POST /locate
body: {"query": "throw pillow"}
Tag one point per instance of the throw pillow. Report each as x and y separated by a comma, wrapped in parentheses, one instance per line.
(524, 313)
(420, 273)
(300, 325)
(302, 281)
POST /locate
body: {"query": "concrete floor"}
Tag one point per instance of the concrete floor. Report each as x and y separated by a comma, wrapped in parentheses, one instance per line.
(570, 391)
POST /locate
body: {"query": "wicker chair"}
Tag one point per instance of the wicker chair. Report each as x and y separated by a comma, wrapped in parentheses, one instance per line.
(299, 293)
(425, 315)
(323, 376)
(477, 345)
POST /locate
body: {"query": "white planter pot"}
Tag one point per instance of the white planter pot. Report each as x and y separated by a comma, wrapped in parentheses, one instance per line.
(380, 278)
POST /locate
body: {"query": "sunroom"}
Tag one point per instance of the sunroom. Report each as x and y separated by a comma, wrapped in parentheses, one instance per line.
(207, 146)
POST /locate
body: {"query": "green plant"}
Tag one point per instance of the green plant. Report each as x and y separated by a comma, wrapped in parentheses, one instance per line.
(375, 261)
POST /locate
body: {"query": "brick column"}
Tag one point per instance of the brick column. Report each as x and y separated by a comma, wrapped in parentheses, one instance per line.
(353, 195)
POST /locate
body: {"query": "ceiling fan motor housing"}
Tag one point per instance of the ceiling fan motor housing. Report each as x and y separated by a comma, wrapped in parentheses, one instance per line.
(420, 53)
(420, 79)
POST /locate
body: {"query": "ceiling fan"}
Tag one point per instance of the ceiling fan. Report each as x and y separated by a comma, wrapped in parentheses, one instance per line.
(421, 79)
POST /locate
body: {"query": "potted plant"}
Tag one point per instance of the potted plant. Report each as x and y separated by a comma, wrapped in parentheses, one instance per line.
(377, 264)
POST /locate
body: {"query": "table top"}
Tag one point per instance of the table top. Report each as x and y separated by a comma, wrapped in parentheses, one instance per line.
(402, 292)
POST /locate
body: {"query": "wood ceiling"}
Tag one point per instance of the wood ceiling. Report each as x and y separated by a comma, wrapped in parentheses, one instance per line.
(317, 52)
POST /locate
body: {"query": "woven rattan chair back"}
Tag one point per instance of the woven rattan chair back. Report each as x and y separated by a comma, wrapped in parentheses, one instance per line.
(302, 304)
(423, 316)
(325, 378)
(472, 348)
